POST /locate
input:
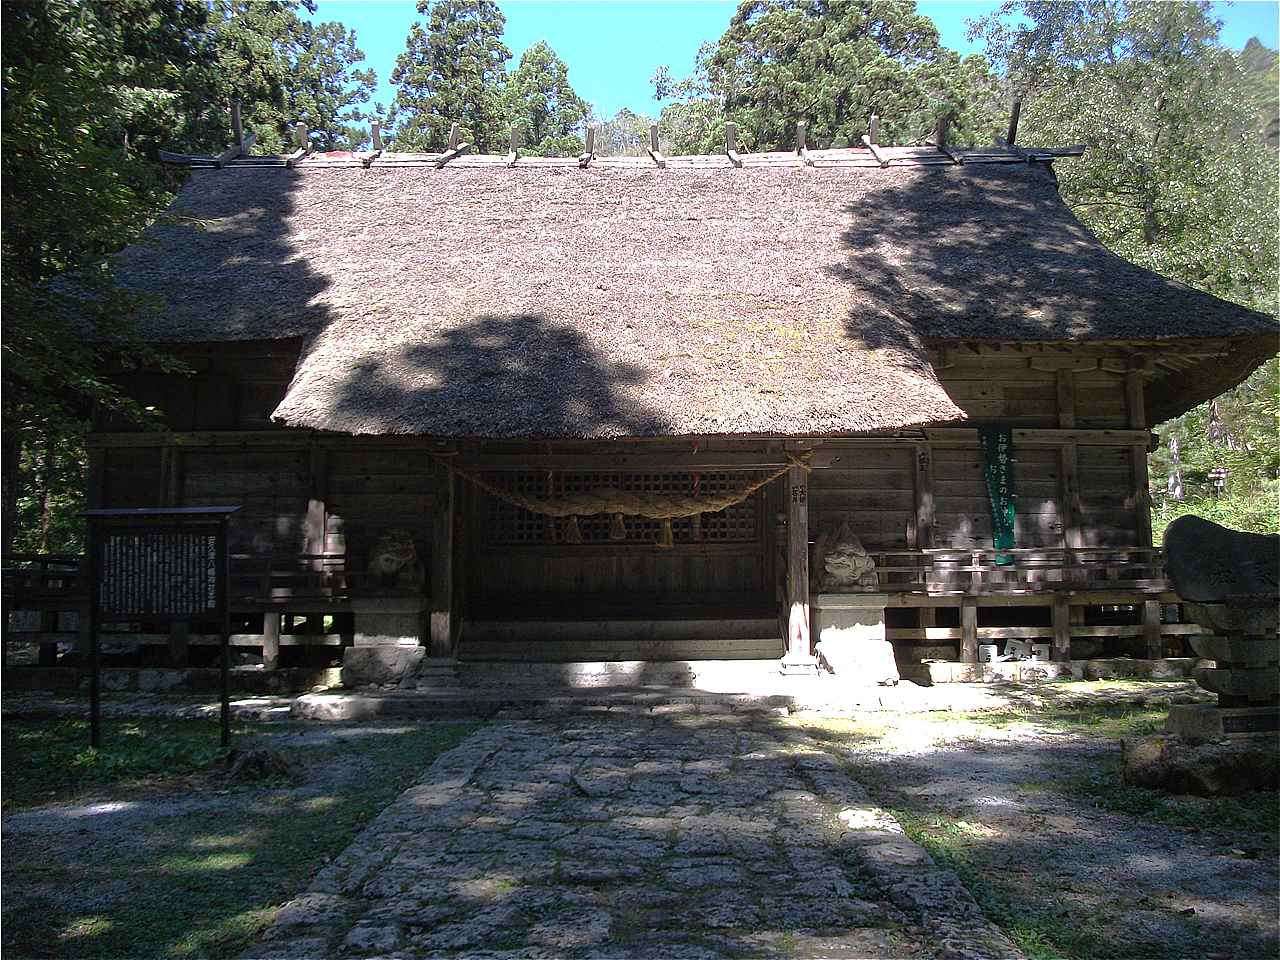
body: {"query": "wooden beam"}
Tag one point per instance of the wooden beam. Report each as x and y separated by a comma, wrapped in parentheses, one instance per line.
(1043, 436)
(454, 136)
(875, 150)
(969, 631)
(731, 143)
(442, 586)
(237, 128)
(1014, 113)
(799, 656)
(589, 153)
(1066, 381)
(873, 128)
(1061, 627)
(654, 153)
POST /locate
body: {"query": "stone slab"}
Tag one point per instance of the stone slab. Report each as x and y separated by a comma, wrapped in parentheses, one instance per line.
(1205, 721)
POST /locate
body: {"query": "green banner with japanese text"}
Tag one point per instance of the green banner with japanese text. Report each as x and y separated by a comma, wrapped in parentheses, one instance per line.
(997, 457)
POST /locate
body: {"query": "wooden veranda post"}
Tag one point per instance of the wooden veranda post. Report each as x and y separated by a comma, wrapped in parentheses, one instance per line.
(441, 627)
(799, 657)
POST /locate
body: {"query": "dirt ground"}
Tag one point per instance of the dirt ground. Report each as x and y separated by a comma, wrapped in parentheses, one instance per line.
(1026, 804)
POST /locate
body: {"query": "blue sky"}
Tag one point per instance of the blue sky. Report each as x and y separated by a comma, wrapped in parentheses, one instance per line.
(612, 47)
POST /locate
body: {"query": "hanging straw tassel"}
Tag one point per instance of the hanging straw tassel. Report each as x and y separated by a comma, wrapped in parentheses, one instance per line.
(617, 529)
(666, 539)
(572, 534)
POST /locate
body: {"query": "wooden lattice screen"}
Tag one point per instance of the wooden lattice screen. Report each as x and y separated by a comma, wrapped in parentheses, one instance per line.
(507, 524)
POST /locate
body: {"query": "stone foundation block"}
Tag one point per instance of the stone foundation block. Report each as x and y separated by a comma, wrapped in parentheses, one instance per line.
(1206, 721)
(1224, 767)
(379, 665)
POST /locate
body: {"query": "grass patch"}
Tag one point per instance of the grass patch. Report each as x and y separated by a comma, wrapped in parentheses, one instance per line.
(1253, 815)
(49, 759)
(1112, 721)
(198, 884)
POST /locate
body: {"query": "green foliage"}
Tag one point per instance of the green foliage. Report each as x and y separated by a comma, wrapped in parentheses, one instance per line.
(543, 104)
(1179, 175)
(625, 134)
(284, 69)
(1235, 432)
(452, 71)
(833, 65)
(91, 91)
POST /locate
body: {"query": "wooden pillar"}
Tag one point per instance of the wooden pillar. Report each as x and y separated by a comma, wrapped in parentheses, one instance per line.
(171, 479)
(968, 630)
(97, 478)
(1140, 498)
(441, 627)
(925, 507)
(48, 655)
(1151, 629)
(799, 657)
(1066, 399)
(317, 494)
(1061, 628)
(270, 640)
(179, 631)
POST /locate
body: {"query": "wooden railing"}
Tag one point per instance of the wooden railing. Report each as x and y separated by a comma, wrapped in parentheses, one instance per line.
(976, 572)
(270, 580)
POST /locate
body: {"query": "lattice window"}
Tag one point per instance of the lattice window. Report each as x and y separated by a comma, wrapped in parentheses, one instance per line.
(508, 524)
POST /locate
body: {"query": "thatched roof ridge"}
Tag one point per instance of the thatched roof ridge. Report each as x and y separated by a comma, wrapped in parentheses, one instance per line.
(554, 301)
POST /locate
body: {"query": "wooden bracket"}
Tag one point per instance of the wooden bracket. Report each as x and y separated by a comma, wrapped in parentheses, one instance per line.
(238, 150)
(654, 153)
(301, 142)
(731, 143)
(237, 128)
(589, 153)
(513, 154)
(802, 143)
(1014, 113)
(376, 130)
(454, 152)
(875, 150)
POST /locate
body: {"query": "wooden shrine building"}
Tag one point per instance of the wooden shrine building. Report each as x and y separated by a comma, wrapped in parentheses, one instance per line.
(513, 408)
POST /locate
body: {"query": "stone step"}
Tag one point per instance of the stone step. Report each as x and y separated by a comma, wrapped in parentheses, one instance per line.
(558, 641)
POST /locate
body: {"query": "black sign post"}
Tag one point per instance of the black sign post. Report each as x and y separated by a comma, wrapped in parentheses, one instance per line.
(161, 564)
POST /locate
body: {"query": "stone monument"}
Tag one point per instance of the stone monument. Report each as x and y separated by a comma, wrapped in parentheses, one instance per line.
(1229, 582)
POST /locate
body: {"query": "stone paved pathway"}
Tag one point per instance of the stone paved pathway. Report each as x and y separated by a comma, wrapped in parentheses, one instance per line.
(663, 835)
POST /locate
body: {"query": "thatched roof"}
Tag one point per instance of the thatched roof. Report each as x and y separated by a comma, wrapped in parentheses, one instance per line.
(553, 301)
